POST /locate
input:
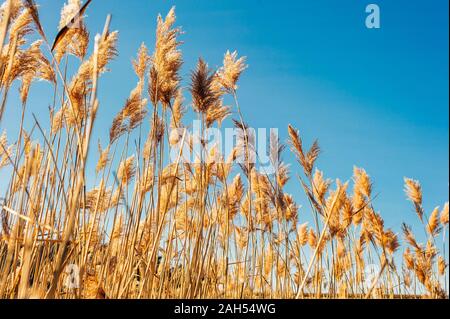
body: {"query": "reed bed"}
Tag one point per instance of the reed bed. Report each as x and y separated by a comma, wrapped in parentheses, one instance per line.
(154, 228)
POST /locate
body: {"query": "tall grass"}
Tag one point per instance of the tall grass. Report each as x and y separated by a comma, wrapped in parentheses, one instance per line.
(153, 229)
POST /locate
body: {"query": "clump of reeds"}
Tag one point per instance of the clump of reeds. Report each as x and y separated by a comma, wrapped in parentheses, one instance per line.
(204, 229)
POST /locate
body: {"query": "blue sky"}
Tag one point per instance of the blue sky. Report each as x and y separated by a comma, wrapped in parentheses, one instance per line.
(377, 99)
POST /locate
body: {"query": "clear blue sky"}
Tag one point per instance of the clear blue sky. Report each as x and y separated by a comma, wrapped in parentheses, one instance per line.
(377, 99)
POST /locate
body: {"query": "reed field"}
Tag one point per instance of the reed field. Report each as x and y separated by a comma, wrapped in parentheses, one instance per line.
(158, 227)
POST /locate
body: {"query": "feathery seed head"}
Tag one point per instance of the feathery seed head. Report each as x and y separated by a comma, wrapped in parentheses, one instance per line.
(413, 191)
(203, 97)
(229, 73)
(166, 61)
